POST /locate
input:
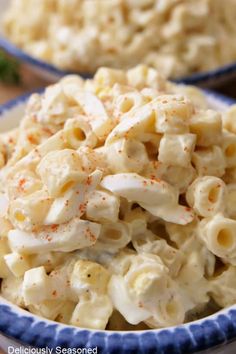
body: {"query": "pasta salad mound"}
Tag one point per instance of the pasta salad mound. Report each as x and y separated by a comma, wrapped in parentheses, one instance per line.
(118, 203)
(177, 37)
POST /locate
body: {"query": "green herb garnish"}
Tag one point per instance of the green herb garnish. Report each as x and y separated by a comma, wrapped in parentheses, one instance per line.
(9, 69)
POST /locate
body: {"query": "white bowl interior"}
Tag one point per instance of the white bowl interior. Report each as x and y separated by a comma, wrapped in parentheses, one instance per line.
(216, 103)
(10, 118)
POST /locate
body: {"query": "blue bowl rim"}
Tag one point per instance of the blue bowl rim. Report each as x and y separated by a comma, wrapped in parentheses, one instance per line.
(27, 58)
(197, 78)
(29, 329)
(18, 100)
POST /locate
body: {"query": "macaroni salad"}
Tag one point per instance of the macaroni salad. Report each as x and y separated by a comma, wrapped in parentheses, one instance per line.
(118, 203)
(177, 37)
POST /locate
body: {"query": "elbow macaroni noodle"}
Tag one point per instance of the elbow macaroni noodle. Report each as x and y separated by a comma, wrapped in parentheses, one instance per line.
(175, 37)
(124, 206)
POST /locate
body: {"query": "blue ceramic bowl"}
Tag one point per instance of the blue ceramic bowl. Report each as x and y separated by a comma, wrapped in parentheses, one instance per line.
(51, 73)
(20, 328)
